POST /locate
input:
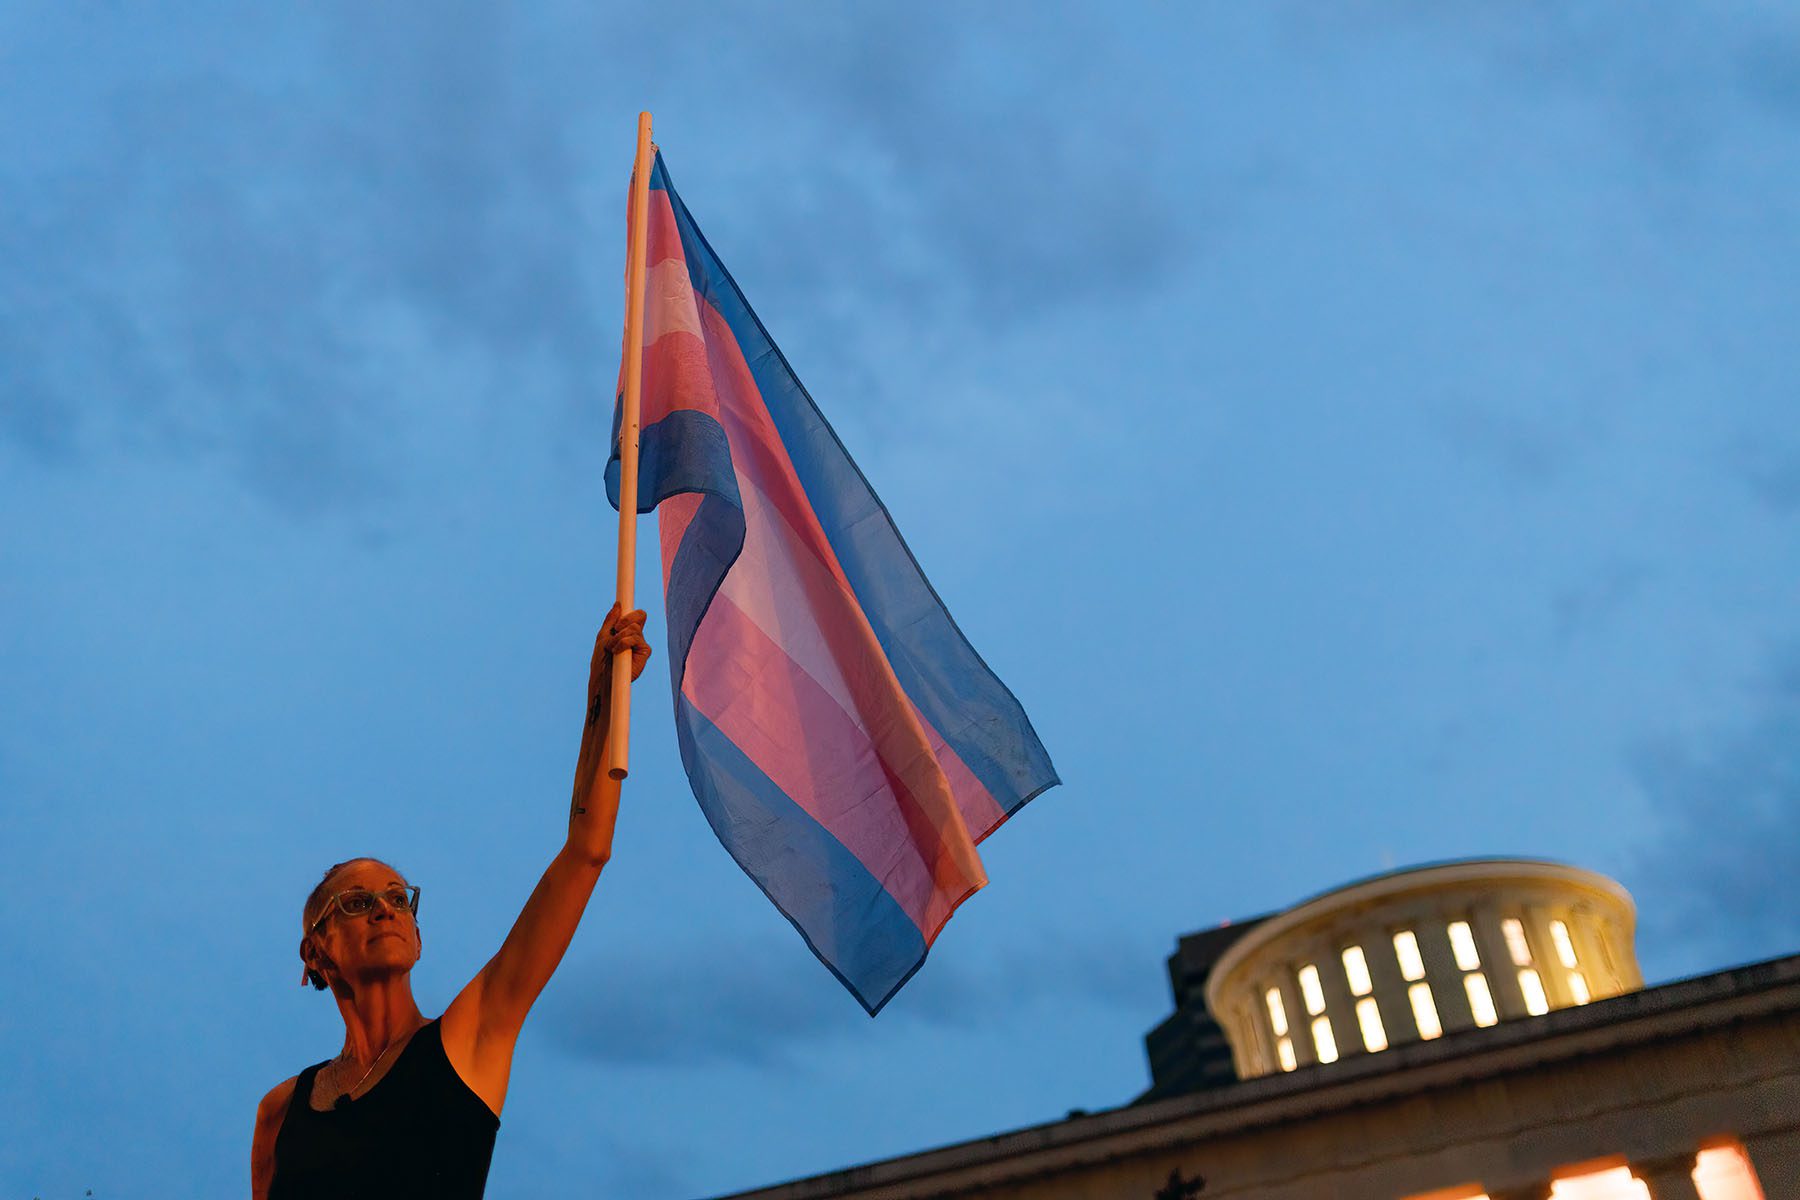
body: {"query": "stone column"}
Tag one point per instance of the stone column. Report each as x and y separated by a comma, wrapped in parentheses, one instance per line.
(1594, 964)
(1281, 977)
(1390, 988)
(1496, 961)
(1340, 1005)
(1775, 1157)
(1247, 1042)
(1440, 968)
(1619, 951)
(1551, 972)
(1670, 1178)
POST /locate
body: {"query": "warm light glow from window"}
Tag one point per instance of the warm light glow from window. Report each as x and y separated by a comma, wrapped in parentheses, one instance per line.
(1424, 1010)
(1578, 988)
(1284, 1050)
(1277, 1012)
(1462, 944)
(1481, 1001)
(1369, 1017)
(1323, 1042)
(1536, 1003)
(1616, 1184)
(1310, 991)
(1406, 949)
(1356, 969)
(1515, 941)
(1565, 947)
(1724, 1173)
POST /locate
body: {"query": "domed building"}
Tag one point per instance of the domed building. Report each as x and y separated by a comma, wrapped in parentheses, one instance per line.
(1399, 958)
(1474, 1030)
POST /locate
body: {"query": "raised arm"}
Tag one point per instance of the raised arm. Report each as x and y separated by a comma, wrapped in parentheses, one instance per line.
(482, 1023)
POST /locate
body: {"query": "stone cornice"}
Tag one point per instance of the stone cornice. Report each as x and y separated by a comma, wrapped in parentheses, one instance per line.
(1748, 993)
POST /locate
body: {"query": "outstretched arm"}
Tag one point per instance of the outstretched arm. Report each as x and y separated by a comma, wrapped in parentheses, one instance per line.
(485, 1018)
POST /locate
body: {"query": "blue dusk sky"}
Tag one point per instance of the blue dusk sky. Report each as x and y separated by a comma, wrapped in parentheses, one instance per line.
(1361, 434)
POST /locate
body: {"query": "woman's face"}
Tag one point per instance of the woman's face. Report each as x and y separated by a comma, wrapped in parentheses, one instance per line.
(384, 940)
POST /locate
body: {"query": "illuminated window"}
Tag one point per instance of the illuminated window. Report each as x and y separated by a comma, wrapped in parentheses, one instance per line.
(1468, 959)
(1406, 949)
(1284, 1050)
(1578, 988)
(1462, 944)
(1615, 1184)
(1515, 941)
(1356, 969)
(1369, 1017)
(1310, 991)
(1424, 1010)
(1323, 1042)
(1277, 1012)
(1481, 1001)
(1724, 1173)
(1536, 1003)
(1565, 946)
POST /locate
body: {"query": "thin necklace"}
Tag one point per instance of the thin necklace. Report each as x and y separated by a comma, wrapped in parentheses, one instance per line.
(344, 1096)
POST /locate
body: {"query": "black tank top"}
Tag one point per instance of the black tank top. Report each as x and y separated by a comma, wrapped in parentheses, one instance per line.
(419, 1132)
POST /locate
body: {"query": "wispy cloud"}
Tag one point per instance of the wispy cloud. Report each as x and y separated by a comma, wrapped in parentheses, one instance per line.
(1769, 70)
(1004, 201)
(1593, 601)
(290, 273)
(1518, 446)
(1727, 837)
(1677, 88)
(1770, 470)
(285, 279)
(758, 1004)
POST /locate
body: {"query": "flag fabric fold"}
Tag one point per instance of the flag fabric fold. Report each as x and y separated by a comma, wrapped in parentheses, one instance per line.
(846, 743)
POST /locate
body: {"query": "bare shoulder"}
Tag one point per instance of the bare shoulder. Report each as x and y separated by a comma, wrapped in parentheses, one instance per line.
(270, 1112)
(480, 1054)
(460, 1026)
(275, 1104)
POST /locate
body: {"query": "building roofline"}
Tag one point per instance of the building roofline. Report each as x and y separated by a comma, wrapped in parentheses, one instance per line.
(1646, 1016)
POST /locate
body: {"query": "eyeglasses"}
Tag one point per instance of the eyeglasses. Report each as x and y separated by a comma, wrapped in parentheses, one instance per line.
(357, 902)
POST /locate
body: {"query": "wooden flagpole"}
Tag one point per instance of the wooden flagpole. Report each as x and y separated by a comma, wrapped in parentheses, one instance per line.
(618, 733)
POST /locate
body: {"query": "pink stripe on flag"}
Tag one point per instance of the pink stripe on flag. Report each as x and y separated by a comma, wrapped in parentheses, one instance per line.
(669, 301)
(818, 755)
(981, 813)
(763, 471)
(815, 621)
(783, 586)
(674, 515)
(664, 241)
(762, 464)
(676, 376)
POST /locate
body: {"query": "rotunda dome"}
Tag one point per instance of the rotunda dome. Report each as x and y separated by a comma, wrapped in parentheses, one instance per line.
(1414, 954)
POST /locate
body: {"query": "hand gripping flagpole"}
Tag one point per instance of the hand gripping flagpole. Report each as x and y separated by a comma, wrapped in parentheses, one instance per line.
(618, 732)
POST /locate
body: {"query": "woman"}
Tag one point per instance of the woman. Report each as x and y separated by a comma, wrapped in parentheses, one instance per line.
(410, 1107)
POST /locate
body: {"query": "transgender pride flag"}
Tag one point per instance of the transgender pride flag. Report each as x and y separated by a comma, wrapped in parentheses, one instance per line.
(847, 744)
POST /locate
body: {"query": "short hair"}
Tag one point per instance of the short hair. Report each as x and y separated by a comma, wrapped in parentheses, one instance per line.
(315, 901)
